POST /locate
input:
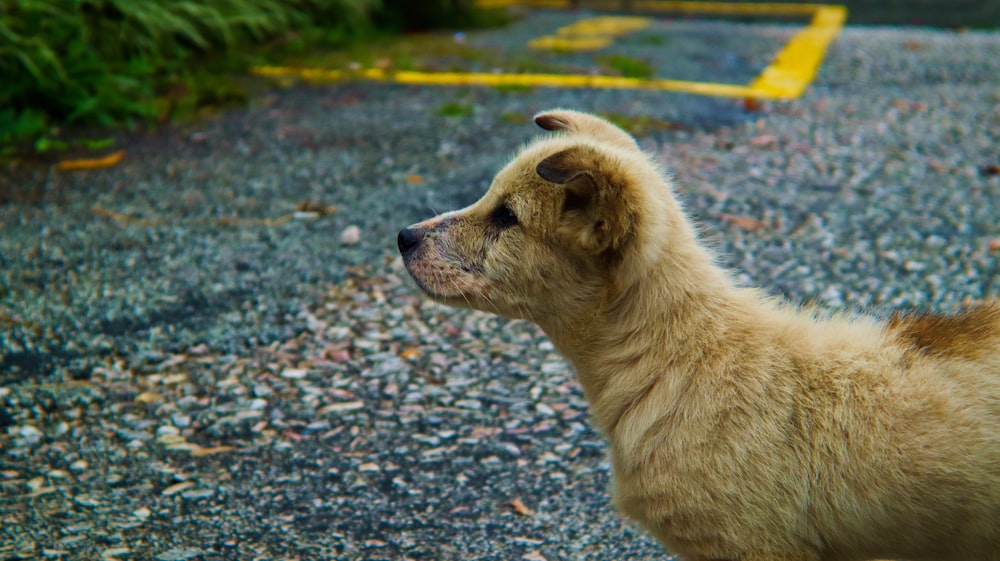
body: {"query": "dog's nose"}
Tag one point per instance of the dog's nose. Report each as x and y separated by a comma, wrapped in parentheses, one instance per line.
(407, 240)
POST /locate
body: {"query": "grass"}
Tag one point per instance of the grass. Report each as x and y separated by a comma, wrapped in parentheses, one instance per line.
(649, 40)
(455, 109)
(627, 66)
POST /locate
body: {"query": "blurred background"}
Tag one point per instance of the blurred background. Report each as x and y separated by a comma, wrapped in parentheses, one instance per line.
(128, 62)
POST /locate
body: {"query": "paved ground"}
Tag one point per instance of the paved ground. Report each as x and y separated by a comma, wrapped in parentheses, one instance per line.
(201, 361)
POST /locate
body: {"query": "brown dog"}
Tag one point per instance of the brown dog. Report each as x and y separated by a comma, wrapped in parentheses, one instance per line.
(740, 428)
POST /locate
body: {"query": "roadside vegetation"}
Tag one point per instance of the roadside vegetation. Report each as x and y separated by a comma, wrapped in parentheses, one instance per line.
(127, 62)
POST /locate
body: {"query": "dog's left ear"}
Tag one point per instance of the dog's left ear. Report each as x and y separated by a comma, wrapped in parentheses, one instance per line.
(592, 126)
(595, 208)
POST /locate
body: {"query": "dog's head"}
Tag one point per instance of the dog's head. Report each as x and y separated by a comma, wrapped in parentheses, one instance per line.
(570, 216)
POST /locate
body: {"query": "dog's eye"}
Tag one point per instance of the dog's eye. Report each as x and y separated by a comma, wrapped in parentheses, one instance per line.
(504, 217)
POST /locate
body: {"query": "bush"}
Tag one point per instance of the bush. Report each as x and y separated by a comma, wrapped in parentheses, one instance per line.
(410, 15)
(104, 61)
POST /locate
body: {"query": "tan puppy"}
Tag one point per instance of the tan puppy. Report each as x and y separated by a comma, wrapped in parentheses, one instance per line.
(740, 428)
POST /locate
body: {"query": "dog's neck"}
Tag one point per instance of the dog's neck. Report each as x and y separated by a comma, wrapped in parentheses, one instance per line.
(684, 303)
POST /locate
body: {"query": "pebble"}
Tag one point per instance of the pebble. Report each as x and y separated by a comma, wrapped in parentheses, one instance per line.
(474, 404)
(198, 494)
(179, 554)
(351, 235)
(294, 373)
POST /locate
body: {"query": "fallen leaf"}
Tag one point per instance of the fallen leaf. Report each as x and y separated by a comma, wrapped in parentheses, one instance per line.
(414, 179)
(994, 244)
(199, 452)
(990, 169)
(312, 206)
(912, 45)
(520, 508)
(752, 104)
(937, 166)
(745, 222)
(411, 353)
(177, 488)
(147, 397)
(91, 163)
(763, 140)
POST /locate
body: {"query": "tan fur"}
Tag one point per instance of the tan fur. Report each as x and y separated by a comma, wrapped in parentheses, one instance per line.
(740, 428)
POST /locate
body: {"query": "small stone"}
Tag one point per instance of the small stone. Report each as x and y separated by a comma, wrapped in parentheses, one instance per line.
(294, 373)
(142, 513)
(29, 434)
(179, 554)
(166, 430)
(474, 404)
(351, 235)
(342, 407)
(510, 448)
(114, 552)
(199, 494)
(86, 501)
(369, 467)
(545, 410)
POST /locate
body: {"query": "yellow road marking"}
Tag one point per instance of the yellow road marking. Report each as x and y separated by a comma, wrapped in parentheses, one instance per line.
(556, 43)
(605, 25)
(588, 34)
(786, 78)
(796, 64)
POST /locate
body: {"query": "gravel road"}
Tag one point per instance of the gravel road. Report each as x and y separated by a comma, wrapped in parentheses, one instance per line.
(211, 351)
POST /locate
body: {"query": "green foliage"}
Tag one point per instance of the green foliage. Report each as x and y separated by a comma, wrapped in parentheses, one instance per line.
(426, 14)
(627, 66)
(650, 40)
(105, 61)
(455, 109)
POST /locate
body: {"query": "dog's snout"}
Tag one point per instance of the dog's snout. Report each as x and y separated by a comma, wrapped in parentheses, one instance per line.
(407, 240)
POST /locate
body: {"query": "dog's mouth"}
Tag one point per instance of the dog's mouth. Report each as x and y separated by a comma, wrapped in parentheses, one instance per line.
(446, 282)
(423, 286)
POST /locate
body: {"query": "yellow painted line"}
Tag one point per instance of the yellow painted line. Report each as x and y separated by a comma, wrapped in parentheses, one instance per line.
(589, 34)
(729, 8)
(796, 64)
(605, 25)
(786, 78)
(555, 43)
(489, 79)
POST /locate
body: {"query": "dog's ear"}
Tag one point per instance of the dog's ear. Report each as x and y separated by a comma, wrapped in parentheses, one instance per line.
(595, 210)
(575, 122)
